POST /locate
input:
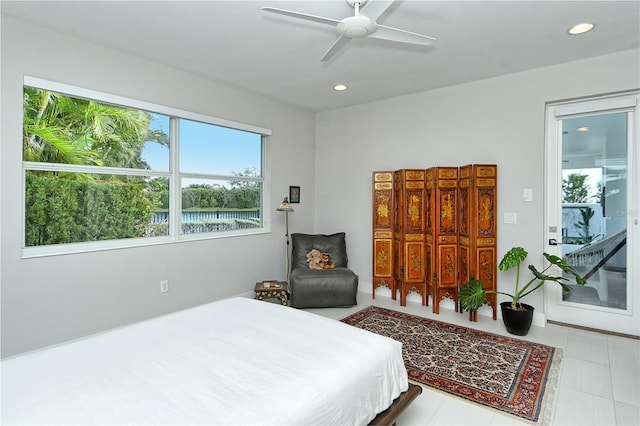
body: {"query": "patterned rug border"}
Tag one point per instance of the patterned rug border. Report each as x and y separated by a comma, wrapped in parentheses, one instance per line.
(549, 389)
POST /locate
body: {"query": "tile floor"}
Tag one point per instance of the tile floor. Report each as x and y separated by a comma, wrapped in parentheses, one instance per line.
(599, 384)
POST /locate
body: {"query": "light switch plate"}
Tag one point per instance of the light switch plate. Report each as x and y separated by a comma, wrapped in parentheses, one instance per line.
(511, 218)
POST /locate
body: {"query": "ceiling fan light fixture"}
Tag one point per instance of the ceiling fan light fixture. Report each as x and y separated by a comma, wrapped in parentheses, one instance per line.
(356, 26)
(581, 28)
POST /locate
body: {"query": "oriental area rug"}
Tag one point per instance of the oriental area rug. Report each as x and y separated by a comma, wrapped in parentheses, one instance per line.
(510, 375)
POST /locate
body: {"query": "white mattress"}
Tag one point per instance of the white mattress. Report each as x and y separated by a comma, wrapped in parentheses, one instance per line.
(234, 361)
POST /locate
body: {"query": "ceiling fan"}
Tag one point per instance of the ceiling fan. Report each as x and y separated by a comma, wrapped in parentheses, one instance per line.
(360, 25)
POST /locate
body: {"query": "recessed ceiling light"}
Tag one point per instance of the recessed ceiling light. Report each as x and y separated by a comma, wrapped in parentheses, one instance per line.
(583, 129)
(340, 87)
(581, 28)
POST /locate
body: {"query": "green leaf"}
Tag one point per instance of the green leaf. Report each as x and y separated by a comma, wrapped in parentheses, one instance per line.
(552, 258)
(471, 295)
(543, 277)
(513, 257)
(565, 287)
(565, 266)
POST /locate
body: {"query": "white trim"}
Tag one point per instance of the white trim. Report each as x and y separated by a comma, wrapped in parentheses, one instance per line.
(94, 170)
(625, 321)
(175, 189)
(88, 247)
(134, 103)
(266, 184)
(607, 104)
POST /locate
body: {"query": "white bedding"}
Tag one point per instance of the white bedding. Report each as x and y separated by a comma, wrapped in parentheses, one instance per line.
(234, 361)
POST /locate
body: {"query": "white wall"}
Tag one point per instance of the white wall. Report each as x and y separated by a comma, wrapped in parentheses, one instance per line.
(498, 120)
(52, 299)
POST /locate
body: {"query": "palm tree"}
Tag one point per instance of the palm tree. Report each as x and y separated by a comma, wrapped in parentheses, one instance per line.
(46, 136)
(62, 129)
(67, 207)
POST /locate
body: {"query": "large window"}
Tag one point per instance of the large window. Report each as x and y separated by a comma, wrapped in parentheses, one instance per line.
(102, 171)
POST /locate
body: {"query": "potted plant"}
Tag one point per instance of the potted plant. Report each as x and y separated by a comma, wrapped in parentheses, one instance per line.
(517, 316)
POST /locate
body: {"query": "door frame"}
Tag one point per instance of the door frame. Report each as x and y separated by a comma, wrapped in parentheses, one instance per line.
(595, 317)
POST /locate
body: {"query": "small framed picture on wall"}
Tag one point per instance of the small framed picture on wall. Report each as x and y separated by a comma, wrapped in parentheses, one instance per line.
(294, 194)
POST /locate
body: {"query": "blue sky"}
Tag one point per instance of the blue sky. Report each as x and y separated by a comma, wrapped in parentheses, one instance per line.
(205, 148)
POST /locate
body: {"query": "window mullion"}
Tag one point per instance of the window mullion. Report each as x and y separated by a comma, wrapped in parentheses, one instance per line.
(93, 170)
(175, 199)
(221, 177)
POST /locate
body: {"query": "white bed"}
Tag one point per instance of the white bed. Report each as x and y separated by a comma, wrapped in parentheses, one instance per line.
(234, 361)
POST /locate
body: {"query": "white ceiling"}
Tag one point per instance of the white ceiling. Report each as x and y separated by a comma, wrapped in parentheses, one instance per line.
(237, 43)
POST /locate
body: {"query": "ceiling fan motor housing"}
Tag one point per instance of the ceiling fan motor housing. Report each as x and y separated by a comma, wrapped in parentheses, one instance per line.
(356, 26)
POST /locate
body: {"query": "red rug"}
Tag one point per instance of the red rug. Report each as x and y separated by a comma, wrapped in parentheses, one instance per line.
(511, 375)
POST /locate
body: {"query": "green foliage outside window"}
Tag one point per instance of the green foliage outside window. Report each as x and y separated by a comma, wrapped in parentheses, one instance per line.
(65, 138)
(207, 196)
(65, 210)
(575, 189)
(68, 207)
(67, 130)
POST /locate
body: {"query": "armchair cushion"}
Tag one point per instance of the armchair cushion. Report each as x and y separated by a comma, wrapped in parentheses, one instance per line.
(334, 245)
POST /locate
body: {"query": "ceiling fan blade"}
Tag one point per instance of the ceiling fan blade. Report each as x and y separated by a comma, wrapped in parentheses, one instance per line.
(339, 44)
(401, 36)
(306, 16)
(373, 9)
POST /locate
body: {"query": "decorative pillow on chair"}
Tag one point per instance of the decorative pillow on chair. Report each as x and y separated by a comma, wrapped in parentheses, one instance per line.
(319, 260)
(333, 245)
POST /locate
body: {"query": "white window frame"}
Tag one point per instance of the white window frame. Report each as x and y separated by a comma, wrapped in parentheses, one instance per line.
(173, 174)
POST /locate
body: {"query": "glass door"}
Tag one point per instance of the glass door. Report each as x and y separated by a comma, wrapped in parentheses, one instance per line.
(592, 214)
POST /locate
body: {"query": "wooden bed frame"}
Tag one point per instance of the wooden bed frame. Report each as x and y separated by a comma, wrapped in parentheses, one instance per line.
(391, 414)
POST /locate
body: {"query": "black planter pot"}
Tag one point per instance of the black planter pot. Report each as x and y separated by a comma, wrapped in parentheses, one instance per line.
(517, 322)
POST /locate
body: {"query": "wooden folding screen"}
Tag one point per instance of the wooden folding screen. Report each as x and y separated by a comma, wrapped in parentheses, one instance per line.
(408, 233)
(478, 228)
(433, 230)
(383, 221)
(442, 234)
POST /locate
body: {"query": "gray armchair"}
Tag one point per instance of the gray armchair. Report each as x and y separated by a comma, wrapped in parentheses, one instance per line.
(313, 288)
